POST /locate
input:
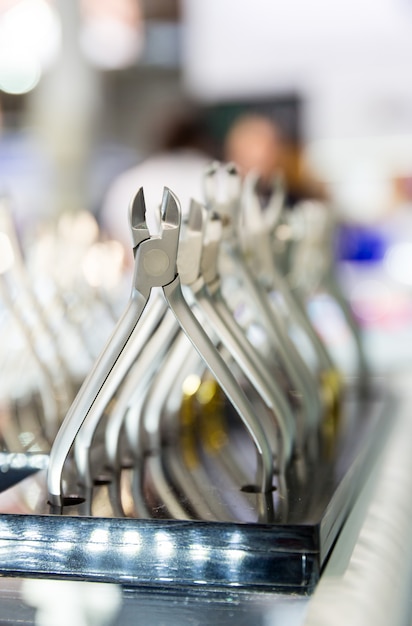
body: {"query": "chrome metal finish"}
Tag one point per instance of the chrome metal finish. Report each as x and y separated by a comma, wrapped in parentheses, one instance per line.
(303, 386)
(206, 289)
(155, 265)
(260, 274)
(137, 341)
(312, 267)
(223, 374)
(285, 554)
(151, 433)
(135, 389)
(182, 361)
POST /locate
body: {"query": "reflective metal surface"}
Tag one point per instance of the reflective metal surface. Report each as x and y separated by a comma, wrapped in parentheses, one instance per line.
(159, 605)
(286, 554)
(149, 486)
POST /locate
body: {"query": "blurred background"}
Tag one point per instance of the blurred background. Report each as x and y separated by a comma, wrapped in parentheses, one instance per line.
(90, 89)
(98, 97)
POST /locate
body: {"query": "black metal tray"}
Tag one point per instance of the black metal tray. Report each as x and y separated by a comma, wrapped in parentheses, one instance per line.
(287, 553)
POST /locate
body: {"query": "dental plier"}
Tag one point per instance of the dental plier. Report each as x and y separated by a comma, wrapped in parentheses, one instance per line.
(155, 266)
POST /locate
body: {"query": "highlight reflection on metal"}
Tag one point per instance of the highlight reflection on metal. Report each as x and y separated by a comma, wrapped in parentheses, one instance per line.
(293, 429)
(78, 549)
(151, 272)
(285, 554)
(169, 485)
(14, 467)
(205, 285)
(155, 266)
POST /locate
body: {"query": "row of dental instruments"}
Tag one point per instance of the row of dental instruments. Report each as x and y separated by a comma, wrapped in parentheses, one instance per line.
(48, 347)
(214, 375)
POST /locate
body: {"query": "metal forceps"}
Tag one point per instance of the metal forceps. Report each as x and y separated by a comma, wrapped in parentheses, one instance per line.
(296, 274)
(143, 412)
(152, 413)
(273, 264)
(141, 356)
(155, 266)
(130, 401)
(32, 320)
(282, 283)
(262, 275)
(150, 445)
(313, 268)
(209, 300)
(295, 368)
(144, 419)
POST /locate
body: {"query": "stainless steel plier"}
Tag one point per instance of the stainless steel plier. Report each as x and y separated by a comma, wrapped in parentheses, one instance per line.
(155, 266)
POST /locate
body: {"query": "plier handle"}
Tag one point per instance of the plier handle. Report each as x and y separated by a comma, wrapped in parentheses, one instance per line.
(155, 266)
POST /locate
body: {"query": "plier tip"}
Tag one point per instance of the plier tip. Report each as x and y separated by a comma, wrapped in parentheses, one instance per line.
(170, 210)
(137, 218)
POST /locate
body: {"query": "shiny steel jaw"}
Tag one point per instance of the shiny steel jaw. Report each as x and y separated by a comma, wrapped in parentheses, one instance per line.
(155, 266)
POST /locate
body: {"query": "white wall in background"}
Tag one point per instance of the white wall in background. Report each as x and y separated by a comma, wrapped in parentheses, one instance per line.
(350, 59)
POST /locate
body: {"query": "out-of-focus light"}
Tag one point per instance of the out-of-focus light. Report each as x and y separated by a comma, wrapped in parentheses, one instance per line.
(30, 37)
(80, 228)
(284, 232)
(206, 392)
(328, 319)
(19, 72)
(34, 25)
(370, 300)
(199, 552)
(109, 44)
(92, 266)
(133, 540)
(191, 384)
(111, 36)
(164, 544)
(236, 538)
(398, 262)
(102, 264)
(99, 539)
(6, 253)
(235, 556)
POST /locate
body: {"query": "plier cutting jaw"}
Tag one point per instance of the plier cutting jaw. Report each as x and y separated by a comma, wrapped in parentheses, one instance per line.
(155, 266)
(155, 256)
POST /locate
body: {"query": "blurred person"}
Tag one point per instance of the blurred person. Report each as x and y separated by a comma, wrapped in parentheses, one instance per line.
(178, 161)
(254, 142)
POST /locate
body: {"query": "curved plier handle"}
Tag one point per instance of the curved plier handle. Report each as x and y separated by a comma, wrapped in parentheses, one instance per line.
(155, 266)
